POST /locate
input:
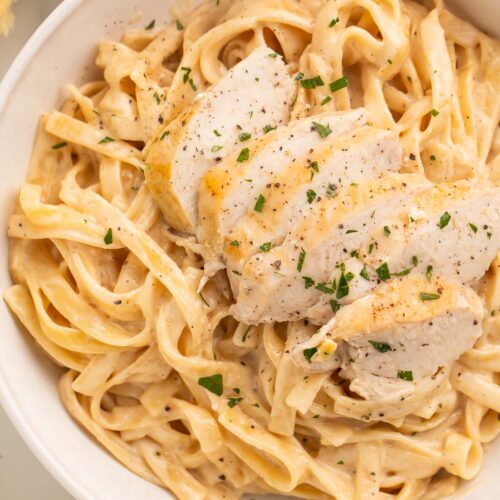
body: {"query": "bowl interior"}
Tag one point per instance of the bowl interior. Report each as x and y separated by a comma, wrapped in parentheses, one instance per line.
(63, 51)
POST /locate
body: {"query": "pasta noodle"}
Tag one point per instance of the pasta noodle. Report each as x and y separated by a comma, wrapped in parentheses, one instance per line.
(122, 303)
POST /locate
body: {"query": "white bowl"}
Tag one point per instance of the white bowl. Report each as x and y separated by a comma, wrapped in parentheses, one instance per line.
(62, 50)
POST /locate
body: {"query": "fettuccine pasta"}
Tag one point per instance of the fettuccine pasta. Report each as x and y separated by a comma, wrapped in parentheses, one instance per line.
(154, 365)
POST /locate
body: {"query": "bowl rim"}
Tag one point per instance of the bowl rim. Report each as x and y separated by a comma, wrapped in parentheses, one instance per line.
(50, 462)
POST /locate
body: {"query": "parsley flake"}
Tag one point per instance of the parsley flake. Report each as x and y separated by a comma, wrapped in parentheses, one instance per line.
(213, 383)
(339, 84)
(302, 258)
(59, 145)
(312, 83)
(232, 402)
(405, 375)
(244, 136)
(309, 353)
(380, 346)
(333, 22)
(311, 196)
(268, 128)
(244, 155)
(383, 272)
(323, 130)
(444, 220)
(108, 238)
(106, 139)
(308, 282)
(428, 296)
(259, 204)
(151, 25)
(265, 247)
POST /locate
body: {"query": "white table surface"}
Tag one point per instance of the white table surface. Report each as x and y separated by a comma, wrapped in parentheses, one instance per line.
(22, 477)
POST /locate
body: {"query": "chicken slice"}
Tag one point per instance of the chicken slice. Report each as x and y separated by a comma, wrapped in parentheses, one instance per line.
(450, 230)
(231, 188)
(280, 285)
(254, 94)
(397, 337)
(363, 154)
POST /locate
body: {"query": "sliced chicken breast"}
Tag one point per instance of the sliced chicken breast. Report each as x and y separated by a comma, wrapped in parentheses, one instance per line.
(280, 285)
(450, 230)
(404, 332)
(256, 93)
(363, 154)
(231, 189)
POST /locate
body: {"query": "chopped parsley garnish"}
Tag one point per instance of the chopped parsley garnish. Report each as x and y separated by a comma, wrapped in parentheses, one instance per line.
(186, 77)
(268, 128)
(235, 243)
(428, 296)
(333, 22)
(179, 25)
(216, 148)
(299, 76)
(212, 383)
(355, 253)
(308, 282)
(232, 402)
(387, 231)
(314, 166)
(323, 130)
(380, 346)
(265, 247)
(259, 204)
(335, 305)
(244, 136)
(273, 54)
(326, 100)
(433, 158)
(472, 226)
(106, 139)
(311, 196)
(428, 273)
(343, 288)
(165, 134)
(405, 375)
(370, 247)
(414, 261)
(349, 231)
(389, 61)
(339, 84)
(312, 83)
(108, 238)
(364, 274)
(404, 272)
(244, 155)
(340, 462)
(237, 390)
(434, 112)
(443, 221)
(323, 287)
(383, 272)
(151, 25)
(302, 258)
(309, 353)
(217, 133)
(59, 145)
(157, 98)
